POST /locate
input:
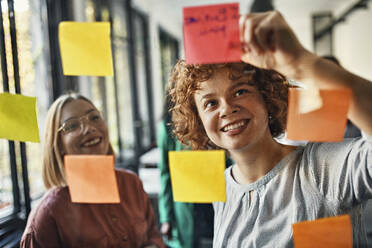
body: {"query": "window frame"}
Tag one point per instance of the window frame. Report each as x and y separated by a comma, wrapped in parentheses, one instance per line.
(12, 225)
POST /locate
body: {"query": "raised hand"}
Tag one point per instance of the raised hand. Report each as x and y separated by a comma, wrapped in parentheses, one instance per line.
(268, 42)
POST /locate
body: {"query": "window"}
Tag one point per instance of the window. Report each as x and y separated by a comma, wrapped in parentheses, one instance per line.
(122, 75)
(24, 69)
(125, 99)
(6, 197)
(169, 54)
(144, 93)
(101, 90)
(31, 66)
(322, 44)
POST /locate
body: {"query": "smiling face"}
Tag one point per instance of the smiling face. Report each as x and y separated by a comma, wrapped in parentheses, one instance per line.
(91, 138)
(232, 111)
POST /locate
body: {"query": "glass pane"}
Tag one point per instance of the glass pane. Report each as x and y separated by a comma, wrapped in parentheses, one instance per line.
(120, 45)
(112, 116)
(110, 99)
(8, 46)
(169, 55)
(141, 81)
(100, 90)
(6, 194)
(33, 64)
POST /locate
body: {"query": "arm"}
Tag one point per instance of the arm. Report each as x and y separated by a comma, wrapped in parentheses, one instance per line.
(341, 171)
(153, 236)
(268, 42)
(41, 230)
(165, 194)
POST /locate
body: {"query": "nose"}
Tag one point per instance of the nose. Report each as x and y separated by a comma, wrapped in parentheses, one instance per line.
(86, 125)
(228, 108)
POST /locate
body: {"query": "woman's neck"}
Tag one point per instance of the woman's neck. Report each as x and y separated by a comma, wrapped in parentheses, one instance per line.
(253, 163)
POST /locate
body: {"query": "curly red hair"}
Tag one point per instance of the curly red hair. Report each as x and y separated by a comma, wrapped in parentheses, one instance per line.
(185, 80)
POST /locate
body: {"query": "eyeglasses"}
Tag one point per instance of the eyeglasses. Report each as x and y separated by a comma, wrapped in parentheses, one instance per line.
(76, 125)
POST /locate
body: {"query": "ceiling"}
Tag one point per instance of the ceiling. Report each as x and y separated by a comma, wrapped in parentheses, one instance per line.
(298, 7)
(297, 12)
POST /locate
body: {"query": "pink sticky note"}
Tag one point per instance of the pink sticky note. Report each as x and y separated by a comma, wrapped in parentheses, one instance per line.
(211, 34)
(91, 179)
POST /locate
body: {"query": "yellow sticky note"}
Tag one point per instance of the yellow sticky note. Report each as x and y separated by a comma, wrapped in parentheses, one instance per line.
(85, 48)
(18, 118)
(198, 176)
(91, 178)
(334, 232)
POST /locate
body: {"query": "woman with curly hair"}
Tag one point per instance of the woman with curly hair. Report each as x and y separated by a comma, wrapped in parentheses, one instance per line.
(242, 107)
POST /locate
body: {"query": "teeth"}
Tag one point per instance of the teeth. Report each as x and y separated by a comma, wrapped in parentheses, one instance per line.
(234, 126)
(93, 142)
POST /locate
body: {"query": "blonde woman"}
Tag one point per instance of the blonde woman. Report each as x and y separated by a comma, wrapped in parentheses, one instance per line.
(75, 126)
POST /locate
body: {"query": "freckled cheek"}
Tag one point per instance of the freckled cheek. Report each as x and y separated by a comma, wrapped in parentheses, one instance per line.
(211, 124)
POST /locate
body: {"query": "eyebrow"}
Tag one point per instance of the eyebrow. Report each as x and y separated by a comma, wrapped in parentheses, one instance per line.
(206, 96)
(87, 112)
(236, 85)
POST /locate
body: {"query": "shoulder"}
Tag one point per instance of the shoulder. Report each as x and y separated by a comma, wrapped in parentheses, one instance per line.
(124, 173)
(334, 150)
(45, 210)
(130, 187)
(127, 177)
(52, 198)
(328, 157)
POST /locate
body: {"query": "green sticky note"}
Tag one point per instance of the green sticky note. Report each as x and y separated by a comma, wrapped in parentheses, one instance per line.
(86, 48)
(18, 118)
(198, 176)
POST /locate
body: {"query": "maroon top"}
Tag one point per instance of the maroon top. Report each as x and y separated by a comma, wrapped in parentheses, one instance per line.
(57, 222)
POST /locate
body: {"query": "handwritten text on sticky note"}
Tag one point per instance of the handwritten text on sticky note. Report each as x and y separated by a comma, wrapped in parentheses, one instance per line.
(91, 178)
(211, 34)
(18, 118)
(324, 124)
(86, 48)
(198, 176)
(334, 232)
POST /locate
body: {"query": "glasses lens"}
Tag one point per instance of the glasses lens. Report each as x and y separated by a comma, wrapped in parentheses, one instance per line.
(94, 117)
(72, 126)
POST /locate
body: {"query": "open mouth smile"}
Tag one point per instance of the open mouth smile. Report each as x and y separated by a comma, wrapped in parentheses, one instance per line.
(92, 142)
(236, 126)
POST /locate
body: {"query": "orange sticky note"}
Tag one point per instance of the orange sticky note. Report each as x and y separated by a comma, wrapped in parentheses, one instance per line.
(91, 178)
(198, 176)
(324, 124)
(211, 34)
(335, 232)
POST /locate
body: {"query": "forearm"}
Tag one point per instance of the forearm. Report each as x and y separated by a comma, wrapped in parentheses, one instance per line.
(327, 75)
